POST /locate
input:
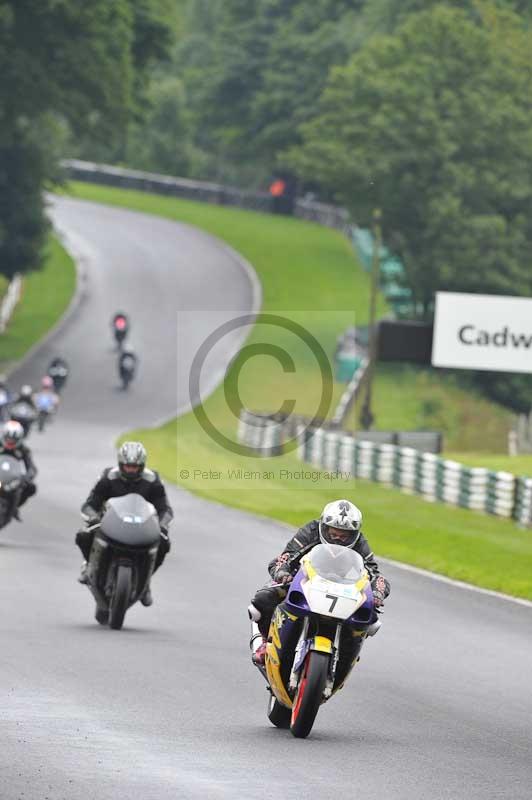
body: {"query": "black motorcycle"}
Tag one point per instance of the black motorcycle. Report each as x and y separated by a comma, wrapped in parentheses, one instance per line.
(12, 481)
(25, 413)
(127, 367)
(58, 372)
(120, 325)
(122, 557)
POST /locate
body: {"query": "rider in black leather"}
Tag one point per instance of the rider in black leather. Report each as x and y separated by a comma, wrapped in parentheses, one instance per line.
(130, 476)
(12, 444)
(339, 524)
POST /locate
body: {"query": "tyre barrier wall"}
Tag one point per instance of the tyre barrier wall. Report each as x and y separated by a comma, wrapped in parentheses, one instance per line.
(202, 191)
(416, 472)
(409, 468)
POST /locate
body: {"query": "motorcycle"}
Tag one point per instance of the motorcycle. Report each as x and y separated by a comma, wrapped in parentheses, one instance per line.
(24, 413)
(58, 372)
(46, 407)
(120, 325)
(316, 635)
(12, 480)
(127, 366)
(122, 557)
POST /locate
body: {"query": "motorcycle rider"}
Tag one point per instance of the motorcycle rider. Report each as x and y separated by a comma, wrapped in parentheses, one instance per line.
(131, 476)
(127, 365)
(340, 524)
(25, 396)
(12, 444)
(47, 390)
(58, 371)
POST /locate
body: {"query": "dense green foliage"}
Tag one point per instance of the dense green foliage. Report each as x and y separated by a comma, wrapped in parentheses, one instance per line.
(66, 66)
(433, 125)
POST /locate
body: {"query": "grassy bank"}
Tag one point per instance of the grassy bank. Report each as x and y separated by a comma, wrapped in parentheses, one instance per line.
(409, 397)
(452, 541)
(45, 297)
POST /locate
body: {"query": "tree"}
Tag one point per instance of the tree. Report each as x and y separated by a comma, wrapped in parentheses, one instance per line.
(433, 124)
(62, 60)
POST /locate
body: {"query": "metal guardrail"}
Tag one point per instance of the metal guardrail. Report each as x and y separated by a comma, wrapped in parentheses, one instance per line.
(202, 191)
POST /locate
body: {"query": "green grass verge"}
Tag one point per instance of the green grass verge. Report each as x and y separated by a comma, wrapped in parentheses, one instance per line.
(451, 541)
(408, 397)
(46, 294)
(517, 465)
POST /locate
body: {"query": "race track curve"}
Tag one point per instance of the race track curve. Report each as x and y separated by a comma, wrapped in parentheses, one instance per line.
(170, 707)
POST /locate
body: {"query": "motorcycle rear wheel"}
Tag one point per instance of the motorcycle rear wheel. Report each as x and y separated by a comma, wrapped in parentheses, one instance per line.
(277, 714)
(120, 598)
(309, 693)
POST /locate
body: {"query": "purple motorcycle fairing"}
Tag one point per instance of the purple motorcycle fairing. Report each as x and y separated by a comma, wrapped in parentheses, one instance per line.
(301, 608)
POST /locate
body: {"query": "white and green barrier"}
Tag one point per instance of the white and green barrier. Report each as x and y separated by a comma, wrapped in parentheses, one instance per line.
(410, 469)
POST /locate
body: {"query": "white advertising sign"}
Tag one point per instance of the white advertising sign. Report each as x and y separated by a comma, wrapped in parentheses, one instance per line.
(482, 331)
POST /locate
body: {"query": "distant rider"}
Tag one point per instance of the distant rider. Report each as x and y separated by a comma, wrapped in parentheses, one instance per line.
(25, 396)
(131, 476)
(340, 524)
(12, 444)
(58, 371)
(46, 399)
(127, 365)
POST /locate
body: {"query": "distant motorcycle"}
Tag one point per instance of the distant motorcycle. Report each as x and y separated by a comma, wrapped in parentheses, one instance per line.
(316, 635)
(46, 408)
(122, 557)
(58, 371)
(12, 480)
(24, 413)
(120, 325)
(127, 367)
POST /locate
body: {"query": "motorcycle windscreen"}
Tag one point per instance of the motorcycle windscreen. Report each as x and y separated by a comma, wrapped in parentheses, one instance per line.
(336, 563)
(131, 520)
(11, 469)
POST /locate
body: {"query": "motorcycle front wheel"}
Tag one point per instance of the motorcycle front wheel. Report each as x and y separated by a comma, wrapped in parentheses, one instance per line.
(120, 598)
(309, 693)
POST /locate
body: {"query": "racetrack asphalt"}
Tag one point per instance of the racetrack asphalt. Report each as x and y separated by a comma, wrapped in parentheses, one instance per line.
(170, 707)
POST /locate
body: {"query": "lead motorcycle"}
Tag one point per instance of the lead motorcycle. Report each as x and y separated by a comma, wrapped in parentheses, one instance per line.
(122, 556)
(316, 635)
(12, 480)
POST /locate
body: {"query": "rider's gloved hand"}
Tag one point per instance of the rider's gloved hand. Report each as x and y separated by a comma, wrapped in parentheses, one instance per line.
(378, 598)
(282, 575)
(379, 592)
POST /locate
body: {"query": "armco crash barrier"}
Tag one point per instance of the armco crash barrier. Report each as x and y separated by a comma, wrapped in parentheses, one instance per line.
(202, 191)
(414, 471)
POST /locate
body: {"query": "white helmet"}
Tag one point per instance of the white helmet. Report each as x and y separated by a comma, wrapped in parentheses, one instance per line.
(342, 516)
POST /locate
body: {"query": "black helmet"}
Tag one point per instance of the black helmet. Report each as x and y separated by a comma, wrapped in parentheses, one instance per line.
(132, 460)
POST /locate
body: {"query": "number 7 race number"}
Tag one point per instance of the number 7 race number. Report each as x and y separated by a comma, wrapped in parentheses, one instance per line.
(334, 599)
